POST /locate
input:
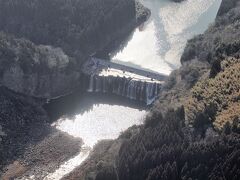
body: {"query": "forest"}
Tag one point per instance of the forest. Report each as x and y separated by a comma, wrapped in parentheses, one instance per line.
(69, 24)
(167, 149)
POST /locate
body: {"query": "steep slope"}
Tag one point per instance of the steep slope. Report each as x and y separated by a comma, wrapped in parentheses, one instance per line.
(42, 45)
(79, 27)
(165, 147)
(41, 71)
(216, 100)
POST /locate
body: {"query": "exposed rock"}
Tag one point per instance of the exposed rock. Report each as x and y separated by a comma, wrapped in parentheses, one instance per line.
(41, 71)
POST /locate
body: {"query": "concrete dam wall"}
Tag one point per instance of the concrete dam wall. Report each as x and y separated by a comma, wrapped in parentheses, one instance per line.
(106, 77)
(136, 90)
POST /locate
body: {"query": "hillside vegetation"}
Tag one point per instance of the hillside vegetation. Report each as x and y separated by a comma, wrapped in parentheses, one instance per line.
(203, 92)
(79, 27)
(166, 149)
(216, 100)
(36, 70)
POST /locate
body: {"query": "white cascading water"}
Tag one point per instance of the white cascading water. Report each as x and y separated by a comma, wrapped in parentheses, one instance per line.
(157, 47)
(129, 88)
(91, 83)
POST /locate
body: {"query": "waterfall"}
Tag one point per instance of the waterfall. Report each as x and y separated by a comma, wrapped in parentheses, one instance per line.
(99, 82)
(144, 91)
(91, 83)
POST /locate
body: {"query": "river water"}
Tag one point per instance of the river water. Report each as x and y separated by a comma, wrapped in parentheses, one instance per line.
(157, 46)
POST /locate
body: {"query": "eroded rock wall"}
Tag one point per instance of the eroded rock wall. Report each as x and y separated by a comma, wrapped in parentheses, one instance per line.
(41, 71)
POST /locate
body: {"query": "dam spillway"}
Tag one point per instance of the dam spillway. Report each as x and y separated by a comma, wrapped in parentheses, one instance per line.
(102, 76)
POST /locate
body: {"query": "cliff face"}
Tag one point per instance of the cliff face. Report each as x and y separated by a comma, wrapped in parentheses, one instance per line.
(41, 71)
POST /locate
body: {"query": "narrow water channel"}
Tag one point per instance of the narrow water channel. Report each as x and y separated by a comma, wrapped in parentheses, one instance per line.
(157, 46)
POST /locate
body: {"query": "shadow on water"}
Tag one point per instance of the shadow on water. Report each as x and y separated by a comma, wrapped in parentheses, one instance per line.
(112, 49)
(81, 102)
(120, 43)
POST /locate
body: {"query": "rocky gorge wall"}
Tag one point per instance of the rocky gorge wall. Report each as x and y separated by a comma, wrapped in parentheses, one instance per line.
(40, 71)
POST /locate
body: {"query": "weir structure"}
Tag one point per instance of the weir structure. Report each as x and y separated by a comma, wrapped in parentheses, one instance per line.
(107, 77)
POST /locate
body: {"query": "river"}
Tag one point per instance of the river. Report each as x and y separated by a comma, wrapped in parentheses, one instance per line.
(156, 46)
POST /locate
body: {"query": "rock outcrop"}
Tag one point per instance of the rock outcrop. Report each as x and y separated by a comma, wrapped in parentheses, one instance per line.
(40, 71)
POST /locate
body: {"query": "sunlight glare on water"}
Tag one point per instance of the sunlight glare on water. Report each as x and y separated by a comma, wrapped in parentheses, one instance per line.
(102, 121)
(159, 45)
